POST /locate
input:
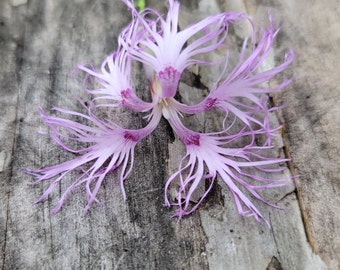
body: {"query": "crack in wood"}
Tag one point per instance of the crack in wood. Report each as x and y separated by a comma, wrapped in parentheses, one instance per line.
(193, 80)
(5, 233)
(306, 223)
(274, 238)
(274, 264)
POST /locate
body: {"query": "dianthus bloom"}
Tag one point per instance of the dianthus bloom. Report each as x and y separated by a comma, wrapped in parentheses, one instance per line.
(165, 52)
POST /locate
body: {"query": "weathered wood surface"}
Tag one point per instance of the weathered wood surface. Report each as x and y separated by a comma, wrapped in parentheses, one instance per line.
(40, 43)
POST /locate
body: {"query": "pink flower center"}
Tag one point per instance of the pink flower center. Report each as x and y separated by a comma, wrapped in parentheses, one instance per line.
(130, 136)
(125, 94)
(169, 74)
(209, 103)
(168, 79)
(192, 139)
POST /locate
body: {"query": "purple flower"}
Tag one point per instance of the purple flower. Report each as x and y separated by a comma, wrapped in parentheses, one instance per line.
(208, 156)
(111, 148)
(165, 53)
(115, 83)
(148, 41)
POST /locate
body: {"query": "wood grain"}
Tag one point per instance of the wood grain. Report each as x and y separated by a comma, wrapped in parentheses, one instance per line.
(42, 41)
(312, 116)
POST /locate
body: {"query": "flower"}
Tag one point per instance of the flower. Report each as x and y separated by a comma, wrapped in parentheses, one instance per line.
(111, 147)
(148, 42)
(165, 52)
(208, 152)
(246, 81)
(115, 83)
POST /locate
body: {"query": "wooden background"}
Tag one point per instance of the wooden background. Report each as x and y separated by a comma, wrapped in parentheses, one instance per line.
(40, 43)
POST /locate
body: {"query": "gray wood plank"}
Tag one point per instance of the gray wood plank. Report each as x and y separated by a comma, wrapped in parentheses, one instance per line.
(12, 26)
(312, 115)
(138, 233)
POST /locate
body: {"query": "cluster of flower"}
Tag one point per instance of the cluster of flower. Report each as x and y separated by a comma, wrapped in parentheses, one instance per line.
(165, 51)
